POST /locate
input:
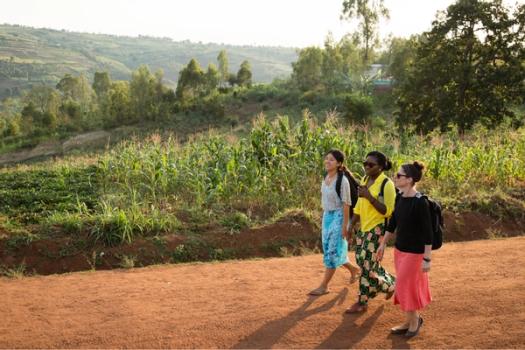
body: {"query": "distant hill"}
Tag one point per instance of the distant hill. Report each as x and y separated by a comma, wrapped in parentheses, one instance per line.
(30, 56)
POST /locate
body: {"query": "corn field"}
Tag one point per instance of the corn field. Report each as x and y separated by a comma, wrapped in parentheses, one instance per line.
(160, 185)
(144, 185)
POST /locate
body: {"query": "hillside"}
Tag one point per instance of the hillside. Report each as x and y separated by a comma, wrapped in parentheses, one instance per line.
(29, 56)
(263, 304)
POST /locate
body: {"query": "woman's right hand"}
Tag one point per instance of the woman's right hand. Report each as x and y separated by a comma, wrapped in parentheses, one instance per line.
(380, 252)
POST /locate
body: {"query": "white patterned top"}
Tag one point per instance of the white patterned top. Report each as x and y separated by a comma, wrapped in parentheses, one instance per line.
(329, 198)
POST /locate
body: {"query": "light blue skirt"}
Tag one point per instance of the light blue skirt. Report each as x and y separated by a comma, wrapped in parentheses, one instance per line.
(335, 247)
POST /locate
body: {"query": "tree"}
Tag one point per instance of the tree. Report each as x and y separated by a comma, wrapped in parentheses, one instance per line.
(244, 75)
(307, 70)
(368, 12)
(9, 106)
(232, 79)
(119, 103)
(223, 67)
(165, 98)
(143, 95)
(30, 115)
(44, 99)
(50, 121)
(352, 57)
(212, 78)
(467, 69)
(400, 57)
(191, 83)
(76, 88)
(13, 128)
(332, 65)
(101, 83)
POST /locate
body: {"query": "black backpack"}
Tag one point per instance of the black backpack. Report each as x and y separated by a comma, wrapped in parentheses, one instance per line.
(353, 188)
(438, 224)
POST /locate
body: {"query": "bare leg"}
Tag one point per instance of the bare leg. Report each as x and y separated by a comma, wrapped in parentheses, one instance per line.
(406, 324)
(413, 318)
(353, 269)
(328, 274)
(323, 288)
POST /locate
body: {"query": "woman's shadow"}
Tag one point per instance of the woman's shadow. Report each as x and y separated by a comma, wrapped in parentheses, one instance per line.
(270, 333)
(348, 333)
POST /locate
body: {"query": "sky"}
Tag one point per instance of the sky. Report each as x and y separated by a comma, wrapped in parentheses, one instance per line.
(295, 23)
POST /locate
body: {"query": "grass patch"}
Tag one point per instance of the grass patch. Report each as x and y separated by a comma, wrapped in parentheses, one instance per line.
(235, 222)
(15, 272)
(127, 261)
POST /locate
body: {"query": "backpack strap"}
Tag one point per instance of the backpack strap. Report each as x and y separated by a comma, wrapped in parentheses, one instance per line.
(382, 190)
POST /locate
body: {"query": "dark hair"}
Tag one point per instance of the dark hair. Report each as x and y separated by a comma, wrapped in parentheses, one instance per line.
(340, 157)
(414, 170)
(382, 160)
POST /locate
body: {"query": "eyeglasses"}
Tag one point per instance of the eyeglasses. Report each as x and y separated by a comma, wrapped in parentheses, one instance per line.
(369, 164)
(398, 175)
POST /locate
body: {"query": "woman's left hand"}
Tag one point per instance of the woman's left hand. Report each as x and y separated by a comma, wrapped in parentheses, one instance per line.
(363, 191)
(426, 266)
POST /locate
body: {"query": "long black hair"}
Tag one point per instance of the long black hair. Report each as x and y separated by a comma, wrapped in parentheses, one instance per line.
(343, 170)
(340, 157)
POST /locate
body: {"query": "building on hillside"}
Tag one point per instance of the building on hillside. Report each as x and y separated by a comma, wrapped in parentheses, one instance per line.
(380, 82)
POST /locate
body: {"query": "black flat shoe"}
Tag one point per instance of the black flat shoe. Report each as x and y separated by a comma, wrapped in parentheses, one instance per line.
(410, 334)
(398, 330)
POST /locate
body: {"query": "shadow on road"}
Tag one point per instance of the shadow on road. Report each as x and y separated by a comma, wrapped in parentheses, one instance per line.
(348, 333)
(399, 342)
(270, 333)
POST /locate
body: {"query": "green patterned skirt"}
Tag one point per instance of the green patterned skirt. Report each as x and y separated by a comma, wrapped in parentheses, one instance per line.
(374, 278)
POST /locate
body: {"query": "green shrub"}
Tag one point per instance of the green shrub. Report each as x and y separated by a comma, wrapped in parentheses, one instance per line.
(358, 108)
(236, 221)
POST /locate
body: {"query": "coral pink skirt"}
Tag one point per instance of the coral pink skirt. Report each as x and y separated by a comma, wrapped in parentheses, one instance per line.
(412, 287)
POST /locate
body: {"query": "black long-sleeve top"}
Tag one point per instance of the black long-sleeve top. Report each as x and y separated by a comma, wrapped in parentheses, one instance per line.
(412, 223)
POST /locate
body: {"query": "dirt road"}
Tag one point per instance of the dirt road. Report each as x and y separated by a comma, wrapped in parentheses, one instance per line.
(478, 289)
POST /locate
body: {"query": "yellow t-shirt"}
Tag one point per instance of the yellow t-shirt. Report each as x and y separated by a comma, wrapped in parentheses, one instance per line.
(369, 216)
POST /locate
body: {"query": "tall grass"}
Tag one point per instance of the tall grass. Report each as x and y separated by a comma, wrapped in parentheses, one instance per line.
(279, 166)
(149, 187)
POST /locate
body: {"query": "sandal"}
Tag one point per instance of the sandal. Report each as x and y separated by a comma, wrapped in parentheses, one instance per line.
(318, 292)
(356, 308)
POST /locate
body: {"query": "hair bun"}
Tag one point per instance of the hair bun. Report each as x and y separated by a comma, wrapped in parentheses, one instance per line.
(418, 165)
(388, 164)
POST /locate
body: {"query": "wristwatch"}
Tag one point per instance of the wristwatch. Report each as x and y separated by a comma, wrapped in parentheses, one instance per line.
(427, 259)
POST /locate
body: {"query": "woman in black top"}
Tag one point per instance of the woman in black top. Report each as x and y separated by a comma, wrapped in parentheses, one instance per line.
(412, 225)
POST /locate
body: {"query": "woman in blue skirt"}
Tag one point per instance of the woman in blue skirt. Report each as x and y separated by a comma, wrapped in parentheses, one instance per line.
(336, 206)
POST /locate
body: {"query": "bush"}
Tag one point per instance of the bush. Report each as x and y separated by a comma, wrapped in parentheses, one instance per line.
(358, 108)
(236, 221)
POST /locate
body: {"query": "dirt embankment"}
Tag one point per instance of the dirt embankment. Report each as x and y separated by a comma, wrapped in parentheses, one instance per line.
(293, 235)
(477, 288)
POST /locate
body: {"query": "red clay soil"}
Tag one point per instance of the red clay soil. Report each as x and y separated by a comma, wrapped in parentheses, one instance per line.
(292, 233)
(60, 254)
(478, 289)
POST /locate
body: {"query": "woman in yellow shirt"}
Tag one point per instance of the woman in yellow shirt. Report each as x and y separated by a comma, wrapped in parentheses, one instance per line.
(375, 205)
